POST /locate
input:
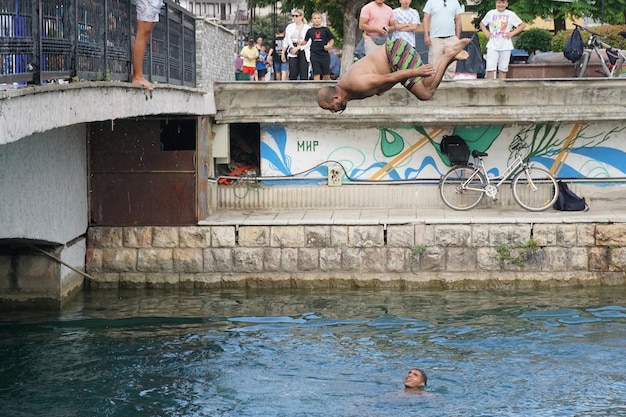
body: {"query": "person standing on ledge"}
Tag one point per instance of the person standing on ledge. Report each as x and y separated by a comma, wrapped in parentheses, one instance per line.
(322, 40)
(500, 25)
(147, 16)
(442, 27)
(407, 22)
(377, 21)
(388, 65)
(416, 379)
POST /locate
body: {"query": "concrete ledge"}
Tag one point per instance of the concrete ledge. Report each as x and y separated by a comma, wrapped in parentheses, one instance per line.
(458, 102)
(31, 279)
(35, 109)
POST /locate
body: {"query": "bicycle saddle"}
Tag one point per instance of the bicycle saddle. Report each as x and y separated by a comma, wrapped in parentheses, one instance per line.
(477, 154)
(622, 34)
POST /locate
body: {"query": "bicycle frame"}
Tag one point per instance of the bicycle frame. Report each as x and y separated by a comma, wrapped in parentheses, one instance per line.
(498, 180)
(611, 69)
(464, 186)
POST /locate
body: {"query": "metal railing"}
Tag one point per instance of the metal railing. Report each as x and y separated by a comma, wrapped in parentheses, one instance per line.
(48, 40)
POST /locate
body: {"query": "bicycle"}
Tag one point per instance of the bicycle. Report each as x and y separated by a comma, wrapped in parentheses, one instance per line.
(464, 186)
(616, 58)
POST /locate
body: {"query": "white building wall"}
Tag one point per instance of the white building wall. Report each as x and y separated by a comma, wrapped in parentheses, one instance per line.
(43, 188)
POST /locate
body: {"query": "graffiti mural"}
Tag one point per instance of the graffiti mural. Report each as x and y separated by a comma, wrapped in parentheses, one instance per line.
(572, 150)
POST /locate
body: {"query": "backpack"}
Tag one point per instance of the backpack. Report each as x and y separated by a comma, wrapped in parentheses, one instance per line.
(455, 148)
(568, 201)
(574, 47)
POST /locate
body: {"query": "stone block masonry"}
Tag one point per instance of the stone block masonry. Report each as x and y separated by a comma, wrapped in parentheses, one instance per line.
(396, 256)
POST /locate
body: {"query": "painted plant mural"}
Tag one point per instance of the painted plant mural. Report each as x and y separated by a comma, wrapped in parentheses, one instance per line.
(413, 152)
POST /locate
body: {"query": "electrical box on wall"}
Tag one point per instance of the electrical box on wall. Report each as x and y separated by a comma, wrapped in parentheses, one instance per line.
(334, 175)
(221, 143)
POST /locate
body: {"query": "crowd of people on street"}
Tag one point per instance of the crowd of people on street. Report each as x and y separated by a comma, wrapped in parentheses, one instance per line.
(298, 52)
(303, 51)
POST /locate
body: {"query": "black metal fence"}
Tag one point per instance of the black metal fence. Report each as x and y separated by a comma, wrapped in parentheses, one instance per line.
(46, 40)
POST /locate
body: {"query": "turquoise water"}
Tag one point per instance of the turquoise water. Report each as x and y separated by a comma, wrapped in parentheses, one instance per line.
(318, 353)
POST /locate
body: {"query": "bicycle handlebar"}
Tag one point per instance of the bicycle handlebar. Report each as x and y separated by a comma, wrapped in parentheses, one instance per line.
(597, 34)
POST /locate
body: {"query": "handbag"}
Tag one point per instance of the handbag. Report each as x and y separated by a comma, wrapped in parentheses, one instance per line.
(378, 40)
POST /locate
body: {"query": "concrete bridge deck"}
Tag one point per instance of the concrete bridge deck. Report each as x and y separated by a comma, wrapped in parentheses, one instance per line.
(35, 109)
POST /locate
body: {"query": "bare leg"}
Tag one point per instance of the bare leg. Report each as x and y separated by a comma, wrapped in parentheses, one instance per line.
(501, 74)
(426, 86)
(144, 29)
(490, 75)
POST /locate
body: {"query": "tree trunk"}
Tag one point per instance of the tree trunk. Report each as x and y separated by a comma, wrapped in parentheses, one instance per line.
(351, 34)
(559, 24)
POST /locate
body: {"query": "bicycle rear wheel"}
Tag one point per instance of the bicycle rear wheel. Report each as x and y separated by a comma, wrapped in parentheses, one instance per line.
(581, 65)
(454, 192)
(535, 189)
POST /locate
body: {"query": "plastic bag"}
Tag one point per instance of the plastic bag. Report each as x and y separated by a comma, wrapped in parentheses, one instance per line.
(475, 64)
(574, 47)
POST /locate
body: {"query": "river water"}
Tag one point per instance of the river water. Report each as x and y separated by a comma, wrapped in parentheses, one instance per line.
(318, 353)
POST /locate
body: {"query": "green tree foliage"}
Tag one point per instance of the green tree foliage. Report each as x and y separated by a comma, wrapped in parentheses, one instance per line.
(534, 39)
(559, 40)
(266, 27)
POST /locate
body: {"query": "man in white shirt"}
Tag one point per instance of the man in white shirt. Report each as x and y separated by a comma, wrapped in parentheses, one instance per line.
(442, 26)
(407, 22)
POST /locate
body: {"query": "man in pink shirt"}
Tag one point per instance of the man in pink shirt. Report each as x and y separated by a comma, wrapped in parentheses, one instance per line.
(377, 22)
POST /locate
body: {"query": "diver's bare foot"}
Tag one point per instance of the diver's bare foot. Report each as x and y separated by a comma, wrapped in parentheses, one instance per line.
(457, 51)
(143, 82)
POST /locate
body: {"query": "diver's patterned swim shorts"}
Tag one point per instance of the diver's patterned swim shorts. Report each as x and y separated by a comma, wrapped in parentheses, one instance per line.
(401, 55)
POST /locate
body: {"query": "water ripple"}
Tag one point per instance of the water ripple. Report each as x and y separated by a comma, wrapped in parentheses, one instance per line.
(321, 354)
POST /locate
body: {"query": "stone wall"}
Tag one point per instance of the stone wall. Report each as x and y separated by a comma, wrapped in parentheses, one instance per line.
(215, 57)
(414, 255)
(561, 70)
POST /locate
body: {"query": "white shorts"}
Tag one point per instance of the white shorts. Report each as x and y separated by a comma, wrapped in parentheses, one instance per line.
(148, 10)
(498, 60)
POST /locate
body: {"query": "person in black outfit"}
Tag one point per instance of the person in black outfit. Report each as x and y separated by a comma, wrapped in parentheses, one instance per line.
(322, 40)
(279, 61)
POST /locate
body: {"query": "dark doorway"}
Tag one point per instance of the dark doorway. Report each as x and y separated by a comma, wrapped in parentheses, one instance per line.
(245, 150)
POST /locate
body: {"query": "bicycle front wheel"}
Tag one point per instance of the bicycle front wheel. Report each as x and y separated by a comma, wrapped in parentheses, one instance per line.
(459, 194)
(534, 188)
(581, 65)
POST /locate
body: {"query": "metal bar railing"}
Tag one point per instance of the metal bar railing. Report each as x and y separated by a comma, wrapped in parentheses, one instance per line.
(43, 41)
